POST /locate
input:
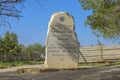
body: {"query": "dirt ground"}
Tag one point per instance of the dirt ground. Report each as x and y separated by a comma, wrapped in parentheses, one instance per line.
(98, 73)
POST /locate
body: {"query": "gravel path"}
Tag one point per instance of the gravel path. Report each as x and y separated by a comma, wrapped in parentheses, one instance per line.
(99, 73)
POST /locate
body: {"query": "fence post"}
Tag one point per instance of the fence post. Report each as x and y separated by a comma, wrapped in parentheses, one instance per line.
(101, 52)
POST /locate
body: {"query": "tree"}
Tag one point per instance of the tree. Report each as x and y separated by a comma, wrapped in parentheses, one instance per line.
(9, 45)
(99, 43)
(9, 8)
(1, 46)
(29, 51)
(105, 18)
(15, 47)
(6, 45)
(35, 49)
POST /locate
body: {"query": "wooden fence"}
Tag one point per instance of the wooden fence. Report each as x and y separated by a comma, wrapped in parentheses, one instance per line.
(99, 53)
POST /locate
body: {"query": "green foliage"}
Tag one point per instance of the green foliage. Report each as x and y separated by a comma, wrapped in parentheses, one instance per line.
(11, 50)
(37, 47)
(9, 45)
(105, 19)
(1, 46)
(29, 51)
(23, 48)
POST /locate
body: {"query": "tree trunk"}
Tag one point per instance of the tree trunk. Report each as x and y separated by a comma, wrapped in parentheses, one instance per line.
(5, 57)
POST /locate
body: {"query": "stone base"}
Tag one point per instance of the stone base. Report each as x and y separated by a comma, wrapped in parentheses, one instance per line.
(34, 70)
(29, 71)
(45, 66)
(61, 66)
(38, 70)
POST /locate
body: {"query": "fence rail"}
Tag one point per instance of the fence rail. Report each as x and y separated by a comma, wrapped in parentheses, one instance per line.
(100, 53)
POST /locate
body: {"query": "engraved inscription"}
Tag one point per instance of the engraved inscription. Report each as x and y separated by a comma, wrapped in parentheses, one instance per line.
(62, 33)
(61, 19)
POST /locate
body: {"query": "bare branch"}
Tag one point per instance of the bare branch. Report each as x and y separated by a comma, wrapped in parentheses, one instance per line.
(9, 8)
(12, 8)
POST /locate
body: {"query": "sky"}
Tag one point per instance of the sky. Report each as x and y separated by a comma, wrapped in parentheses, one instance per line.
(32, 27)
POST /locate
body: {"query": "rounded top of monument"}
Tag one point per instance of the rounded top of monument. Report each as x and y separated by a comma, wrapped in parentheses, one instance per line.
(62, 18)
(60, 13)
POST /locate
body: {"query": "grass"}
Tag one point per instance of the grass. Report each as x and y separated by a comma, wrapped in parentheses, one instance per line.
(21, 63)
(96, 64)
(18, 63)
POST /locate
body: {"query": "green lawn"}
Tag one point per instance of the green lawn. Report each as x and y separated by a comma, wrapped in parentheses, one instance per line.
(18, 63)
(99, 64)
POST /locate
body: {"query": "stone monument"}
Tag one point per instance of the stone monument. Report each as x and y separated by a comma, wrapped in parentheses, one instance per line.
(62, 47)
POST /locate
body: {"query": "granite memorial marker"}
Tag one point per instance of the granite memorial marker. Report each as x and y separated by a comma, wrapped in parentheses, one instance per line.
(62, 47)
